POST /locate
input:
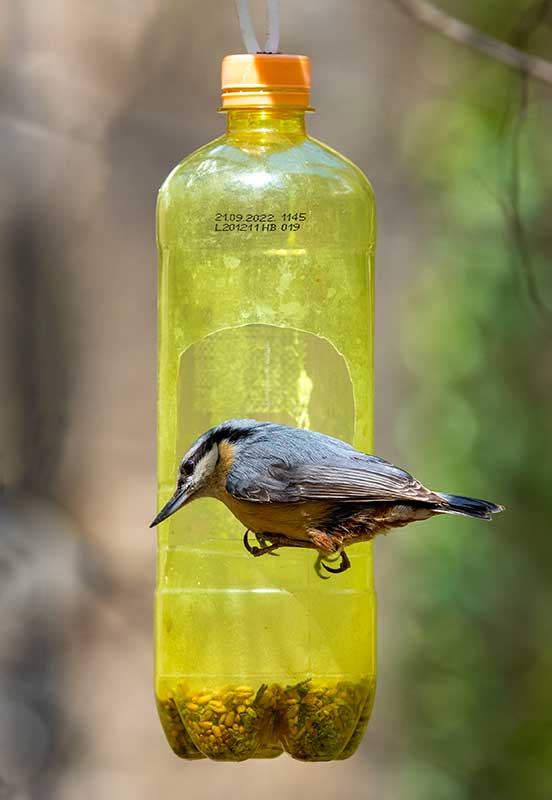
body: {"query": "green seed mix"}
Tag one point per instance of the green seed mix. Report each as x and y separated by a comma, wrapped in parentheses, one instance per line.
(312, 721)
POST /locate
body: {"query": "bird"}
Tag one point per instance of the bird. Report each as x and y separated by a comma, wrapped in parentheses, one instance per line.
(293, 487)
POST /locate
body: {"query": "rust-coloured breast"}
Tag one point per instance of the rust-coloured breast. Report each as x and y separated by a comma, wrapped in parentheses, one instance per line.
(290, 519)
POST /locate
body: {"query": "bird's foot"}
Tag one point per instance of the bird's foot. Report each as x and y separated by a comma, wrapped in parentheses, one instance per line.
(344, 564)
(262, 540)
(258, 551)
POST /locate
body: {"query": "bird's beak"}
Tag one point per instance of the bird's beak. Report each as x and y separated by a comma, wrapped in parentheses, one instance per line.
(178, 499)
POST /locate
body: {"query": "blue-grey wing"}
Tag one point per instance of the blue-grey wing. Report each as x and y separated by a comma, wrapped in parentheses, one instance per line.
(291, 466)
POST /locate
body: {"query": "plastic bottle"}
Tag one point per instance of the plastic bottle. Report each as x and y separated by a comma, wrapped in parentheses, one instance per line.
(266, 242)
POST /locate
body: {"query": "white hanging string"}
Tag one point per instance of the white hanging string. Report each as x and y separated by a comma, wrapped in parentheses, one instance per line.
(248, 31)
(246, 24)
(272, 26)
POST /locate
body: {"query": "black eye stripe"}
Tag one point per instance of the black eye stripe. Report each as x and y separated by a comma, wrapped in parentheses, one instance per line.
(187, 468)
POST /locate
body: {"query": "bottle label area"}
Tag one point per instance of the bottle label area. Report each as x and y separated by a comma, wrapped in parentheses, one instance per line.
(243, 222)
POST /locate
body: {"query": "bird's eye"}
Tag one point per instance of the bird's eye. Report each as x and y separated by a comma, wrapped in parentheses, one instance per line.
(187, 468)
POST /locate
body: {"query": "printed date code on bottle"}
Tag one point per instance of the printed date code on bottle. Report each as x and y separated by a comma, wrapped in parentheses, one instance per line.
(228, 222)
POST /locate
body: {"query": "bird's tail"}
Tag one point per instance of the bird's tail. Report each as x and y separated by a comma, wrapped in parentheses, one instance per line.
(469, 506)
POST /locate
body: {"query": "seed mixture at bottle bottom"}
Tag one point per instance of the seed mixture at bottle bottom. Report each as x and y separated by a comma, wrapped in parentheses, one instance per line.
(311, 720)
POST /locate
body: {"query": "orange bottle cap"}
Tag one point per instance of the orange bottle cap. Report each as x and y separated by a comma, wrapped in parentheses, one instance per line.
(265, 79)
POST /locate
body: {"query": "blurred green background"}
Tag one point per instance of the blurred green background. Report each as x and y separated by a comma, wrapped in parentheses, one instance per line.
(98, 101)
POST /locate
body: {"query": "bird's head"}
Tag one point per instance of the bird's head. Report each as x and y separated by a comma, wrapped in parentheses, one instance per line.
(196, 473)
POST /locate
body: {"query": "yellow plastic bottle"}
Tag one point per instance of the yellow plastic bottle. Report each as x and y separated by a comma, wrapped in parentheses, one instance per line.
(266, 244)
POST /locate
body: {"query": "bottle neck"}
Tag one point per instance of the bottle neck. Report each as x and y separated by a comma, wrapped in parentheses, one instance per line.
(262, 121)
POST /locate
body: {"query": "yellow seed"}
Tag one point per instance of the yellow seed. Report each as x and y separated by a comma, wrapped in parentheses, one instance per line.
(244, 689)
(206, 724)
(229, 719)
(241, 709)
(192, 707)
(216, 731)
(204, 699)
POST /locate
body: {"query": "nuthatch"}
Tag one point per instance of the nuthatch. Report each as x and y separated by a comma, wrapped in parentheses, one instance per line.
(298, 488)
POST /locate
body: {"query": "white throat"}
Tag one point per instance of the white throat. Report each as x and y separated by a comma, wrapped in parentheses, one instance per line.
(206, 466)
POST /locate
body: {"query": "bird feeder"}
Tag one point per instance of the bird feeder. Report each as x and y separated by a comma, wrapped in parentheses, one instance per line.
(266, 245)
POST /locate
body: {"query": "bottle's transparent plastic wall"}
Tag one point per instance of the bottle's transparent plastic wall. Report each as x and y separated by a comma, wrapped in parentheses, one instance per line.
(266, 241)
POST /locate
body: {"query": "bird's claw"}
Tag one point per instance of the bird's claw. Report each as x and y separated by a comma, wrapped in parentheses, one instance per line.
(265, 543)
(258, 551)
(265, 548)
(344, 564)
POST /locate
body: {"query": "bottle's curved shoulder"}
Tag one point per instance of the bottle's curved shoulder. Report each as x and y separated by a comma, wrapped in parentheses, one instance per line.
(225, 158)
(343, 166)
(194, 163)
